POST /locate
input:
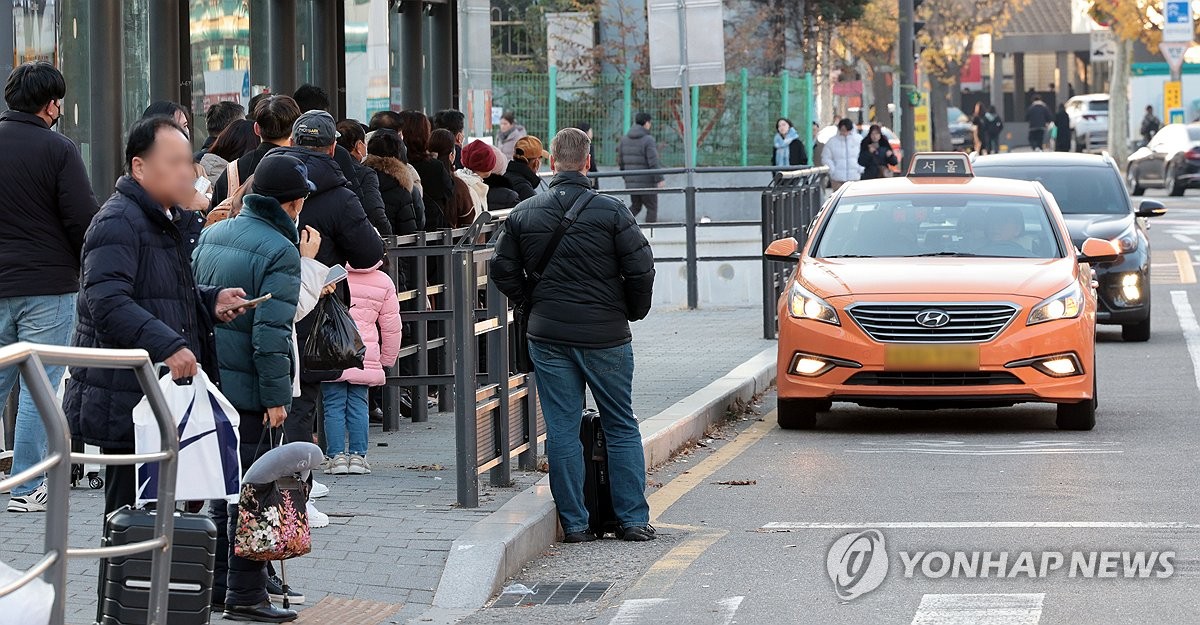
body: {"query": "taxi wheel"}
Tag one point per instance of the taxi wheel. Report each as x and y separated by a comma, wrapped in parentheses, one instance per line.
(1080, 416)
(798, 414)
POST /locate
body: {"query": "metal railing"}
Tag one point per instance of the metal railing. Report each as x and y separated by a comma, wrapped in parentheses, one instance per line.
(789, 206)
(31, 360)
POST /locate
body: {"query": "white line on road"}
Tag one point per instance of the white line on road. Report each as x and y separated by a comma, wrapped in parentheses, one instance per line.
(1182, 238)
(729, 608)
(967, 452)
(841, 525)
(963, 448)
(631, 611)
(1191, 329)
(981, 609)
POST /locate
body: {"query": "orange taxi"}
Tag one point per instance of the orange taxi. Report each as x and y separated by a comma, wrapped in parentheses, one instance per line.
(938, 290)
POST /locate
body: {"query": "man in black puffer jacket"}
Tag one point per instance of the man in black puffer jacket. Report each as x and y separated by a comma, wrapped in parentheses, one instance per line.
(599, 279)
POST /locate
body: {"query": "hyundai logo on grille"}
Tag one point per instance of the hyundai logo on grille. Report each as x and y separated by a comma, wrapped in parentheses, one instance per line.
(933, 318)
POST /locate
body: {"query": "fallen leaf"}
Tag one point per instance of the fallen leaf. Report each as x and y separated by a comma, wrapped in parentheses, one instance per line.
(737, 483)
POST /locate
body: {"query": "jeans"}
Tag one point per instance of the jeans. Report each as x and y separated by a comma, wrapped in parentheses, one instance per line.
(236, 580)
(345, 411)
(44, 319)
(561, 373)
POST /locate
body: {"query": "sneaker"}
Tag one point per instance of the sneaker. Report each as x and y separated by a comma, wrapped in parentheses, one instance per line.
(318, 491)
(316, 518)
(359, 466)
(33, 502)
(275, 591)
(339, 465)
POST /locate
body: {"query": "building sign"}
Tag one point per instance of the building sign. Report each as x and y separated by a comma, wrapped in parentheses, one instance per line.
(922, 133)
(1172, 95)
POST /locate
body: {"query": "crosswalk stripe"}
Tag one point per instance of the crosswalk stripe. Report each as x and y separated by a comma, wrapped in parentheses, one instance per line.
(631, 610)
(729, 608)
(777, 526)
(980, 609)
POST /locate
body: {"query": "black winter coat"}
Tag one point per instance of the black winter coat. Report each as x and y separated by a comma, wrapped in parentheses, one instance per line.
(523, 179)
(437, 184)
(501, 195)
(47, 205)
(371, 198)
(873, 163)
(137, 292)
(396, 187)
(637, 150)
(600, 278)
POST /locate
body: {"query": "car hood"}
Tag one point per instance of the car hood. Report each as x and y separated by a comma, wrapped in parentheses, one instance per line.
(1105, 227)
(936, 276)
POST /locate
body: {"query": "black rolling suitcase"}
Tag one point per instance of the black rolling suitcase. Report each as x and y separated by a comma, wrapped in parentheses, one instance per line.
(596, 494)
(125, 582)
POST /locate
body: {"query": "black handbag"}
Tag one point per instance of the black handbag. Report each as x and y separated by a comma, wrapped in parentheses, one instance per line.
(520, 323)
(334, 343)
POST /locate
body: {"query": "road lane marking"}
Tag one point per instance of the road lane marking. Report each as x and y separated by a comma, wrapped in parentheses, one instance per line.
(631, 610)
(980, 609)
(900, 525)
(1191, 330)
(668, 569)
(961, 448)
(671, 492)
(729, 608)
(1183, 238)
(1187, 272)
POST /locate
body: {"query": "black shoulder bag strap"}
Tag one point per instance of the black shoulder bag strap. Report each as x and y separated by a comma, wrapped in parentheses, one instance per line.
(572, 214)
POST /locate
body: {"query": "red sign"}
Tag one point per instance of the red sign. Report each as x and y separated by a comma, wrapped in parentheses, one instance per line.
(972, 72)
(848, 87)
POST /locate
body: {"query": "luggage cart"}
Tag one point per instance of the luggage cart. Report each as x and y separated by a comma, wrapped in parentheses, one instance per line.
(52, 567)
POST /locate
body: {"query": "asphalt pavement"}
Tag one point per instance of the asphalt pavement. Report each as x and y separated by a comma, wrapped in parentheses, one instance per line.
(982, 517)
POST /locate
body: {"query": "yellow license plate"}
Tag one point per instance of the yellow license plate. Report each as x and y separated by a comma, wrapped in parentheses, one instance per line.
(931, 358)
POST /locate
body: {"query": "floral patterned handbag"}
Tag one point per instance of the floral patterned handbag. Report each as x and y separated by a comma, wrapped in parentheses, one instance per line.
(273, 520)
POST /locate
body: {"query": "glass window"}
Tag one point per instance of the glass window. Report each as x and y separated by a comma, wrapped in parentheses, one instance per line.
(1076, 190)
(1193, 133)
(220, 34)
(938, 225)
(1098, 106)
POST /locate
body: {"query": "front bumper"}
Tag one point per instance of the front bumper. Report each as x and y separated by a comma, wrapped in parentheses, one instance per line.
(1114, 305)
(994, 384)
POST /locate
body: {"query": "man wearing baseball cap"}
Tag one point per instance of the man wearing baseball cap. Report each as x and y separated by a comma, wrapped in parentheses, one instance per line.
(347, 237)
(256, 251)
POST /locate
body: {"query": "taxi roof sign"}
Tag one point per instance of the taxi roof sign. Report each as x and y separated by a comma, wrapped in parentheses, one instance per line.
(940, 165)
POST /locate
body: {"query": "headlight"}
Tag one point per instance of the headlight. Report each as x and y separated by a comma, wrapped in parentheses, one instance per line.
(1066, 304)
(1128, 240)
(802, 304)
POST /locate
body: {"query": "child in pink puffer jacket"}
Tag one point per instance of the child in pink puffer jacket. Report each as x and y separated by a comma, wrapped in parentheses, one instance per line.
(377, 315)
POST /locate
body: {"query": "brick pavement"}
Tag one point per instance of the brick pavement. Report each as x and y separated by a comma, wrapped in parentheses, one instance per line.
(390, 531)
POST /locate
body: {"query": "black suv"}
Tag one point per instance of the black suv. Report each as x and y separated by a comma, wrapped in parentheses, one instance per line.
(1091, 194)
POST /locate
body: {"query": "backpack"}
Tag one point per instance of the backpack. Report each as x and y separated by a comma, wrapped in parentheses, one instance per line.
(231, 205)
(997, 125)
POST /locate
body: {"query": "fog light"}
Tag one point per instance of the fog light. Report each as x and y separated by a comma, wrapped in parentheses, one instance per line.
(812, 365)
(1130, 288)
(1060, 366)
(1054, 365)
(806, 365)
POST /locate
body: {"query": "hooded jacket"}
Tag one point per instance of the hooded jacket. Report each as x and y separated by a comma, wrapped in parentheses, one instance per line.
(396, 188)
(508, 140)
(47, 205)
(637, 150)
(256, 250)
(377, 315)
(369, 194)
(600, 278)
(213, 166)
(522, 178)
(840, 154)
(137, 291)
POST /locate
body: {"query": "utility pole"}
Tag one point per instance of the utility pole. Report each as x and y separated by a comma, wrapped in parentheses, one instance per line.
(905, 77)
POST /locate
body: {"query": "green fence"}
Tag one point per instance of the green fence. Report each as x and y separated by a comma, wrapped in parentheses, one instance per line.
(734, 122)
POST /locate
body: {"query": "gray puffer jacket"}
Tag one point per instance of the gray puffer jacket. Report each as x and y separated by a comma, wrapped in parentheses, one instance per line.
(638, 150)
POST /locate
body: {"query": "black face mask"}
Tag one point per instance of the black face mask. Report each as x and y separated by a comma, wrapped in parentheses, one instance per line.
(54, 122)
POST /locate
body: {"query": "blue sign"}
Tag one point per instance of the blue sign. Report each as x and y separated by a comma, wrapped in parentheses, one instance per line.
(1177, 12)
(1175, 116)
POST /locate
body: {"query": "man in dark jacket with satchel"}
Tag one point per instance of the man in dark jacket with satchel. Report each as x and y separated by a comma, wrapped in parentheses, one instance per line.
(138, 292)
(598, 279)
(47, 204)
(256, 251)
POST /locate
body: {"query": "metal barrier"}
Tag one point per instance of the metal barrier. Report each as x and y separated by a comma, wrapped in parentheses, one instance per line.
(57, 465)
(789, 206)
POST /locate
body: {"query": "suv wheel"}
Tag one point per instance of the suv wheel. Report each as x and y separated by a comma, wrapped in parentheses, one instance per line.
(1138, 332)
(1081, 143)
(1172, 185)
(1131, 181)
(797, 414)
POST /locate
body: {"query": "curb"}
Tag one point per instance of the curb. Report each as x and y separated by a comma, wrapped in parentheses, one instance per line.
(497, 546)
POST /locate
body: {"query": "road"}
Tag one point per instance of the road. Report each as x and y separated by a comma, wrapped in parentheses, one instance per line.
(998, 493)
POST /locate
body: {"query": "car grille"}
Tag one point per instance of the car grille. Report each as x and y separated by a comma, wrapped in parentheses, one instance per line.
(897, 323)
(914, 378)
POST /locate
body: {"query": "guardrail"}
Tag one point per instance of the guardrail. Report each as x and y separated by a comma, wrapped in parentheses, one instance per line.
(57, 466)
(789, 205)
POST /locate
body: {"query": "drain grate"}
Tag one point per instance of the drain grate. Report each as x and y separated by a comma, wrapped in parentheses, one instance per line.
(552, 593)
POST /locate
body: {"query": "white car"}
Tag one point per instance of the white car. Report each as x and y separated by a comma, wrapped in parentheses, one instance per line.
(1089, 121)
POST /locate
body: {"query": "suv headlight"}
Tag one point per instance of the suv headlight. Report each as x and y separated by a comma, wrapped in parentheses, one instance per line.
(1128, 240)
(803, 304)
(1066, 304)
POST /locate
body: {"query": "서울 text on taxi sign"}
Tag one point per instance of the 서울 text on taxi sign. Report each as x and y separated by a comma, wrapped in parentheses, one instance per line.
(940, 165)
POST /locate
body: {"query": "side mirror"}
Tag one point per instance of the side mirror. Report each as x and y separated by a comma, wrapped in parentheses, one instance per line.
(1151, 208)
(783, 250)
(1098, 252)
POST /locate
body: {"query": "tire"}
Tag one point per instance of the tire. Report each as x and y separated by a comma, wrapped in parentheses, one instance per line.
(1081, 143)
(824, 405)
(1136, 332)
(1171, 183)
(1080, 416)
(797, 414)
(1131, 181)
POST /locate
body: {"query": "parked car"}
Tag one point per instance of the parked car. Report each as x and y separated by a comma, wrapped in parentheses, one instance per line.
(1170, 161)
(1088, 191)
(962, 132)
(1089, 121)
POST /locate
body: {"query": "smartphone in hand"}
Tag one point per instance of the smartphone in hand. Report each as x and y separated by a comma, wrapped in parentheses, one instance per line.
(250, 303)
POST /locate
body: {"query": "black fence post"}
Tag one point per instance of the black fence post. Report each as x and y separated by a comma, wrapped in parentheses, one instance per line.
(461, 280)
(498, 365)
(693, 269)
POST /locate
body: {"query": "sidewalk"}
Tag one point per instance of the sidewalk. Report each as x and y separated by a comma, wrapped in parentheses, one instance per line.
(390, 532)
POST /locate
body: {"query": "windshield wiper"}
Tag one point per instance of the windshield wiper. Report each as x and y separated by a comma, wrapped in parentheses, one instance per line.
(941, 254)
(848, 256)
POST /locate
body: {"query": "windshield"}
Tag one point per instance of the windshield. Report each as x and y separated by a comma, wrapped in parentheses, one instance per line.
(1098, 106)
(1076, 190)
(956, 116)
(938, 225)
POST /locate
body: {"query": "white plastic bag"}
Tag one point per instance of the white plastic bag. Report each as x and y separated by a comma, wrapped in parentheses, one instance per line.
(30, 605)
(209, 463)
